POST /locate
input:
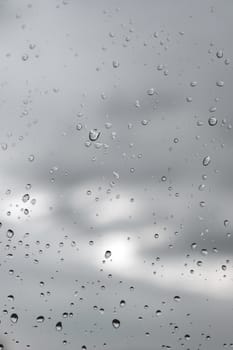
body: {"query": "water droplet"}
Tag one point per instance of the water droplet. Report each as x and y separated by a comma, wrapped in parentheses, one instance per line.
(122, 303)
(150, 92)
(220, 83)
(107, 254)
(79, 126)
(25, 197)
(206, 161)
(177, 298)
(212, 121)
(193, 83)
(116, 323)
(10, 233)
(158, 312)
(219, 54)
(59, 326)
(14, 318)
(40, 319)
(25, 57)
(4, 146)
(115, 64)
(204, 252)
(31, 158)
(94, 135)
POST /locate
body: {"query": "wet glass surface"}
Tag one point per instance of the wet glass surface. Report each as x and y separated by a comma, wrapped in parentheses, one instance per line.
(116, 175)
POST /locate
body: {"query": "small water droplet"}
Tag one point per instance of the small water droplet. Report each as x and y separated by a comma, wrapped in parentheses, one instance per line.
(40, 319)
(193, 83)
(59, 326)
(25, 197)
(107, 254)
(158, 312)
(10, 233)
(177, 298)
(150, 92)
(25, 57)
(31, 158)
(115, 64)
(94, 135)
(14, 318)
(206, 161)
(220, 83)
(116, 323)
(212, 121)
(4, 146)
(219, 54)
(122, 303)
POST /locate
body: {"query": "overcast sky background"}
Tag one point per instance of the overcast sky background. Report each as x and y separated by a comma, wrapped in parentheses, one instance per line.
(147, 75)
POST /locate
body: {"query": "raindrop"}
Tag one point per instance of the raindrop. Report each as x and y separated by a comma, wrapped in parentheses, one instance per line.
(31, 158)
(204, 251)
(59, 326)
(220, 83)
(150, 92)
(25, 197)
(10, 233)
(219, 54)
(4, 146)
(94, 135)
(40, 319)
(177, 298)
(107, 254)
(116, 323)
(206, 161)
(14, 318)
(158, 312)
(212, 121)
(122, 303)
(25, 57)
(193, 83)
(115, 64)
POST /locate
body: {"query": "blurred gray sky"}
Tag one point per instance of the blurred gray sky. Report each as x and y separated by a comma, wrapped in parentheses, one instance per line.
(148, 75)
